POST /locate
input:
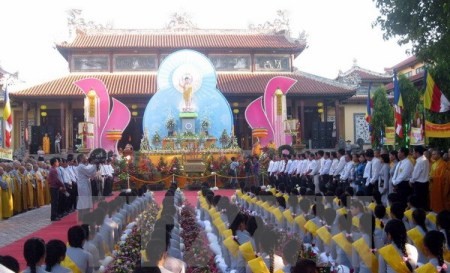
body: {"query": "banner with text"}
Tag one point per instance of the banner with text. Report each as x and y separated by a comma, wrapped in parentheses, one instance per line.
(6, 154)
(437, 130)
(389, 138)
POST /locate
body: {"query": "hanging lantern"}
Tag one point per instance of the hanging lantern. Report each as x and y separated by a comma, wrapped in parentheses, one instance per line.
(279, 95)
(91, 97)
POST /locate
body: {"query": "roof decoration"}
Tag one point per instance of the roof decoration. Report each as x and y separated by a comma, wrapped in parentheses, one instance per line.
(357, 74)
(144, 84)
(180, 22)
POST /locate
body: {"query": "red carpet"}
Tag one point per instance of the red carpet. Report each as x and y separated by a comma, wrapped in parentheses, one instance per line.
(58, 230)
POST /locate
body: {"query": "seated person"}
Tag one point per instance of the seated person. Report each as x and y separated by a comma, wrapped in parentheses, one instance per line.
(55, 254)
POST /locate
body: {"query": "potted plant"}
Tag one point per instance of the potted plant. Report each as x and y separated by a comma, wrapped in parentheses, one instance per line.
(224, 139)
(170, 125)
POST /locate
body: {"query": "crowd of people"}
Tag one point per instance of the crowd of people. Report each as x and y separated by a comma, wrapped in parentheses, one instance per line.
(90, 244)
(65, 183)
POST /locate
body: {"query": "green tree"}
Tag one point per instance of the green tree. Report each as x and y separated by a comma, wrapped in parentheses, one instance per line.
(382, 116)
(424, 24)
(411, 102)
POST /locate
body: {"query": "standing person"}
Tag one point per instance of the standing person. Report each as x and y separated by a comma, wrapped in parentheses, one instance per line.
(248, 170)
(393, 158)
(58, 138)
(402, 175)
(46, 143)
(256, 170)
(437, 179)
(6, 195)
(373, 173)
(56, 186)
(34, 254)
(419, 177)
(233, 172)
(383, 179)
(359, 173)
(40, 154)
(85, 172)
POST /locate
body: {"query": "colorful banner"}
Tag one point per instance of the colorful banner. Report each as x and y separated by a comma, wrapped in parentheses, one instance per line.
(389, 138)
(416, 137)
(6, 154)
(437, 130)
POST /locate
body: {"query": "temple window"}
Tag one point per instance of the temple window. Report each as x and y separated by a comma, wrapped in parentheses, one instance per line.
(231, 62)
(272, 63)
(93, 63)
(135, 62)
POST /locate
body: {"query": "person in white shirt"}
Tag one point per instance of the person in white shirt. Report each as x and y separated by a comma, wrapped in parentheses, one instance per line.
(340, 167)
(334, 164)
(107, 172)
(312, 166)
(301, 169)
(325, 169)
(419, 178)
(373, 166)
(346, 175)
(402, 175)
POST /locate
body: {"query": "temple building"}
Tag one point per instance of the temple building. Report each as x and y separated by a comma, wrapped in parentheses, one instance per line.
(355, 108)
(127, 61)
(412, 68)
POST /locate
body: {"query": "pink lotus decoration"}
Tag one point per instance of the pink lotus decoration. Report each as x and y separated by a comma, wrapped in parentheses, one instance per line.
(261, 112)
(116, 119)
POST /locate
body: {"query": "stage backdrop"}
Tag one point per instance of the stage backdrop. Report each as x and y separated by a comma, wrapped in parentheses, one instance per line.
(207, 101)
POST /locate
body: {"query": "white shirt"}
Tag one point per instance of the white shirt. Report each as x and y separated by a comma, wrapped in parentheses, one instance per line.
(376, 166)
(421, 170)
(288, 166)
(292, 166)
(402, 172)
(367, 170)
(312, 166)
(347, 172)
(270, 168)
(325, 169)
(340, 166)
(334, 164)
(281, 166)
(65, 175)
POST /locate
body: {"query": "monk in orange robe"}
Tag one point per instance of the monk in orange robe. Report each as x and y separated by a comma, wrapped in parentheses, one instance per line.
(447, 185)
(437, 181)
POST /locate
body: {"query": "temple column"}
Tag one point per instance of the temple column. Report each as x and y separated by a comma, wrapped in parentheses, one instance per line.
(69, 126)
(25, 124)
(302, 118)
(63, 125)
(337, 119)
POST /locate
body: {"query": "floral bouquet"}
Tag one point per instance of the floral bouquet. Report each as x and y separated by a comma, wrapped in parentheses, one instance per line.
(198, 256)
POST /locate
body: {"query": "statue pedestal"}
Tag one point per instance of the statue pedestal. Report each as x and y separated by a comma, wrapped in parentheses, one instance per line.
(188, 122)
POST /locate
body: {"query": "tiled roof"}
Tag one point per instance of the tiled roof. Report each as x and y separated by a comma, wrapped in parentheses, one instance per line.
(364, 74)
(362, 99)
(413, 79)
(168, 40)
(134, 84)
(408, 62)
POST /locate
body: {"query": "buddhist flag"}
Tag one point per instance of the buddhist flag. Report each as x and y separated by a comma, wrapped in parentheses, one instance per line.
(433, 99)
(398, 105)
(369, 104)
(7, 117)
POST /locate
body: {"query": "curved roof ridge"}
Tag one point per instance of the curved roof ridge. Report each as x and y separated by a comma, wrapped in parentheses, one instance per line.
(326, 80)
(358, 68)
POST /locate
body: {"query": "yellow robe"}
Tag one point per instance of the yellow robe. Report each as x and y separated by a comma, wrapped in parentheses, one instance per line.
(437, 185)
(7, 199)
(17, 195)
(46, 145)
(39, 190)
(27, 192)
(446, 191)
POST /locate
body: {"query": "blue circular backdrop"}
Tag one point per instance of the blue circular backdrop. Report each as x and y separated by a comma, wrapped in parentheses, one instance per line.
(207, 100)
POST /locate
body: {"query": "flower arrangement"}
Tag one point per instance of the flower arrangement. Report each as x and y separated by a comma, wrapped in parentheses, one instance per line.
(175, 167)
(224, 139)
(198, 256)
(128, 254)
(162, 166)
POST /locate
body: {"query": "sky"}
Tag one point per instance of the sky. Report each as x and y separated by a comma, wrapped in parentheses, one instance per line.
(338, 31)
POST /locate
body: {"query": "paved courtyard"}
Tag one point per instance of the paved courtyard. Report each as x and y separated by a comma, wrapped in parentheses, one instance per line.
(24, 224)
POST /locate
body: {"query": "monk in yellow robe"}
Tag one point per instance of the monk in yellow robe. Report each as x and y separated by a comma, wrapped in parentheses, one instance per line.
(27, 189)
(46, 144)
(446, 191)
(16, 190)
(32, 183)
(6, 195)
(437, 180)
(39, 186)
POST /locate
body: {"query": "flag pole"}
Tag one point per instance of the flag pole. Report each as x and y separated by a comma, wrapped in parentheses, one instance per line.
(424, 117)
